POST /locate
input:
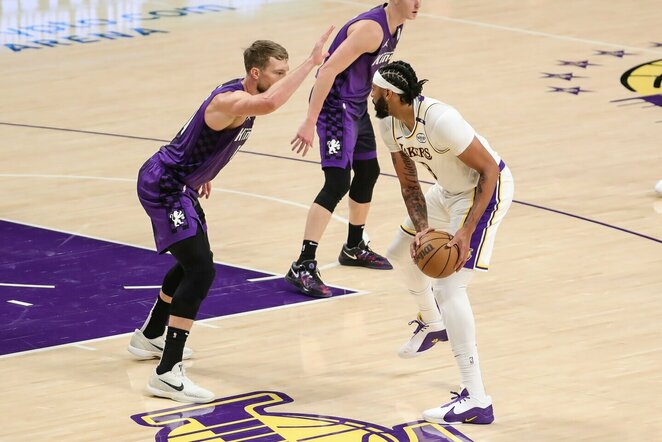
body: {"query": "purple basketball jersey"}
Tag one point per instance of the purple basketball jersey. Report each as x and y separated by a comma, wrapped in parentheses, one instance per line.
(169, 180)
(354, 84)
(198, 153)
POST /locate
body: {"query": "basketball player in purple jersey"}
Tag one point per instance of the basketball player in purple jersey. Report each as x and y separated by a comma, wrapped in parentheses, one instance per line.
(339, 108)
(169, 186)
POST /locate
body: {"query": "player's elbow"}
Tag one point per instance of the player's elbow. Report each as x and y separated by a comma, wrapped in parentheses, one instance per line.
(327, 72)
(264, 105)
(271, 104)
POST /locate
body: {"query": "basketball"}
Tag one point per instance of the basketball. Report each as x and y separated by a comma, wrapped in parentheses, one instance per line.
(434, 258)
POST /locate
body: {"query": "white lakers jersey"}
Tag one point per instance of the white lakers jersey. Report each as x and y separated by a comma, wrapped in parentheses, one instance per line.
(440, 134)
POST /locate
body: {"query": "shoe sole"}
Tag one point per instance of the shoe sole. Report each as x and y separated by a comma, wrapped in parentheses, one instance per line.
(358, 264)
(177, 396)
(409, 355)
(443, 422)
(296, 284)
(144, 355)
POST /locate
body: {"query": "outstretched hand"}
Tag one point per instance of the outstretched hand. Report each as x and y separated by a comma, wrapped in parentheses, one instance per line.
(303, 140)
(318, 55)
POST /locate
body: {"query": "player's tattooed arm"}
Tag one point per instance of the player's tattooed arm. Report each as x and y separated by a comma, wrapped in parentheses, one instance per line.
(473, 217)
(477, 157)
(412, 194)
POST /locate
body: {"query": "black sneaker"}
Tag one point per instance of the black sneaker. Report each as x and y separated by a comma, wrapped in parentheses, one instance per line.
(363, 256)
(306, 278)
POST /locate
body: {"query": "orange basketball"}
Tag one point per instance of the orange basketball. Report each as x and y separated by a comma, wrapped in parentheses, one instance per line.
(434, 258)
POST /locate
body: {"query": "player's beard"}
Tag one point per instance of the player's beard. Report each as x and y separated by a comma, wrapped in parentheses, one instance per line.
(381, 108)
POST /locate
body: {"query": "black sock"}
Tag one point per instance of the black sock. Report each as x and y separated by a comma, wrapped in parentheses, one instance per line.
(174, 348)
(354, 235)
(308, 250)
(156, 321)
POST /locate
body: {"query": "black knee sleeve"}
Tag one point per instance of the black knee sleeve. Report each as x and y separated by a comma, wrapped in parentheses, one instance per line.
(195, 258)
(172, 279)
(366, 173)
(336, 185)
(192, 291)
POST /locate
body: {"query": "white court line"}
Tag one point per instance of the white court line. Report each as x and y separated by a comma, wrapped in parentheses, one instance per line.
(24, 304)
(201, 322)
(518, 30)
(30, 286)
(269, 278)
(329, 265)
(141, 287)
(84, 347)
(265, 278)
(204, 324)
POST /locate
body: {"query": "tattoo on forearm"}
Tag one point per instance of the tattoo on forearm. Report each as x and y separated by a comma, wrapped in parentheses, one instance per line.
(413, 195)
(479, 192)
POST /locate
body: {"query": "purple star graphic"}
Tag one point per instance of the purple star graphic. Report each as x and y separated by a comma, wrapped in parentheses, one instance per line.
(568, 90)
(619, 54)
(580, 64)
(567, 77)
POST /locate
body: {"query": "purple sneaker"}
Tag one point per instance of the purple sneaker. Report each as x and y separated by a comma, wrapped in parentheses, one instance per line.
(306, 278)
(363, 256)
(425, 336)
(462, 409)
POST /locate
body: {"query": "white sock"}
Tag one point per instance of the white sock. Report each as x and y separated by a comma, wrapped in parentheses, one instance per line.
(466, 358)
(427, 305)
(451, 294)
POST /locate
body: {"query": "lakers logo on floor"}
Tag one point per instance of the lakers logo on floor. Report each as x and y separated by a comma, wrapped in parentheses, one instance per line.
(646, 80)
(244, 417)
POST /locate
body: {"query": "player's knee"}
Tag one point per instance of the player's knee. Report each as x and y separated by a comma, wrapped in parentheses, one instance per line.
(398, 250)
(172, 279)
(453, 287)
(366, 174)
(335, 188)
(202, 275)
(193, 289)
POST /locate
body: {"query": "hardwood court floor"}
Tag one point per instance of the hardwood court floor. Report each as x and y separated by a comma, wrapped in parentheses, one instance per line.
(567, 318)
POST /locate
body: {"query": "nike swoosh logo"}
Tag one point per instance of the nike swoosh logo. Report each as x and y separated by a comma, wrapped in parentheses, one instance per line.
(176, 387)
(296, 274)
(156, 346)
(348, 255)
(470, 419)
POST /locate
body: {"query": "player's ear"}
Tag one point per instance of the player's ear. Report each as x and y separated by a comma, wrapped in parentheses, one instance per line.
(254, 73)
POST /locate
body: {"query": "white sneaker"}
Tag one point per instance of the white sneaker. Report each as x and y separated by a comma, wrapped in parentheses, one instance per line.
(424, 337)
(176, 386)
(462, 409)
(143, 348)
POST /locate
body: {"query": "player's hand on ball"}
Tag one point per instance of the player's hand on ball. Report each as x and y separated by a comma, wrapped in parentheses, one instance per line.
(462, 239)
(417, 242)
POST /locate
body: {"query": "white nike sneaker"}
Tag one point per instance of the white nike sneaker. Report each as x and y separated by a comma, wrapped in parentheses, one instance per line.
(143, 348)
(424, 337)
(462, 409)
(176, 386)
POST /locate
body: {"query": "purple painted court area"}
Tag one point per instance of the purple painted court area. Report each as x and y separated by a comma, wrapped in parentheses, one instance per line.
(89, 299)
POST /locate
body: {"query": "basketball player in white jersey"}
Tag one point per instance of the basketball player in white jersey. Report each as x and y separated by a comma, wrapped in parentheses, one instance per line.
(472, 193)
